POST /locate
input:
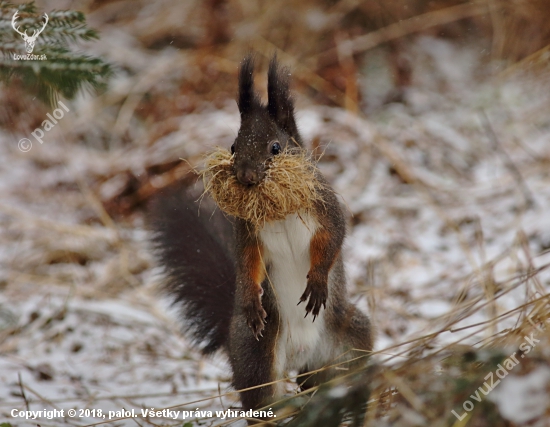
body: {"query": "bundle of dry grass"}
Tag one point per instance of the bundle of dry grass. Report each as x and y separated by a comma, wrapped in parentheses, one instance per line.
(290, 185)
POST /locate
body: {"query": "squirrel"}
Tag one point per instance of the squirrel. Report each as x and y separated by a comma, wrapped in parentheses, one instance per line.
(272, 296)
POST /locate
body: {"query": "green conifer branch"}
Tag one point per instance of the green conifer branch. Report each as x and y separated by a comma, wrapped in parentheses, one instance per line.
(64, 72)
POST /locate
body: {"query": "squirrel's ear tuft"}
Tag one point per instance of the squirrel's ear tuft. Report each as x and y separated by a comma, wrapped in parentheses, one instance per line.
(248, 99)
(280, 105)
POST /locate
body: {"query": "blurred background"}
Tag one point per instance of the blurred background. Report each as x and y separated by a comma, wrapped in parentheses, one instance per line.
(430, 119)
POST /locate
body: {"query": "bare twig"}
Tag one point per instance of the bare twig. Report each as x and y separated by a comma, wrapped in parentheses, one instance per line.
(401, 29)
(22, 389)
(508, 163)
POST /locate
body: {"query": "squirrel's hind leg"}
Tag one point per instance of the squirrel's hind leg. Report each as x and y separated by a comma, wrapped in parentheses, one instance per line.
(253, 360)
(351, 349)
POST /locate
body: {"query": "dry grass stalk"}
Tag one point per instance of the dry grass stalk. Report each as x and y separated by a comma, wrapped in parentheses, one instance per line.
(289, 186)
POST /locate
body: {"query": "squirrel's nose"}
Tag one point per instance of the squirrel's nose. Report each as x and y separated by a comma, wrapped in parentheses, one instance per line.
(247, 176)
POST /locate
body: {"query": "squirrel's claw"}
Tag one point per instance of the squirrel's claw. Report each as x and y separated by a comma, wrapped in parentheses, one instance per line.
(255, 317)
(316, 295)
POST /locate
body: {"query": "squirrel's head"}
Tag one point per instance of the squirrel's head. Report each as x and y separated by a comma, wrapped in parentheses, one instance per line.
(266, 130)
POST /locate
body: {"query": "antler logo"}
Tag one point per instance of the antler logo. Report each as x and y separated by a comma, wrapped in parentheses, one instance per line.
(29, 40)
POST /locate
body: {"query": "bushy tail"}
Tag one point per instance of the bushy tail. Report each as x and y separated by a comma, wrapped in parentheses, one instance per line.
(195, 248)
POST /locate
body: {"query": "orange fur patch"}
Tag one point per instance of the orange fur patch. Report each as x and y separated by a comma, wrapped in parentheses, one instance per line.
(253, 264)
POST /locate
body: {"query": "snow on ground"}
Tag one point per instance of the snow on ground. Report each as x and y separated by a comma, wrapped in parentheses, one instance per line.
(441, 219)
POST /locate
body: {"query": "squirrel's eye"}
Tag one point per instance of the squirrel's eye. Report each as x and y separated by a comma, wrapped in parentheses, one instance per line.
(233, 149)
(275, 148)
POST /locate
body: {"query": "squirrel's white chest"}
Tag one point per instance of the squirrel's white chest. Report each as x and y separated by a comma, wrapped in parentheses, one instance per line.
(286, 246)
(288, 239)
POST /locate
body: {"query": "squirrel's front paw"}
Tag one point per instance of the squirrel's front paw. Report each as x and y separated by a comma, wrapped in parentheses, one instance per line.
(255, 315)
(317, 292)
